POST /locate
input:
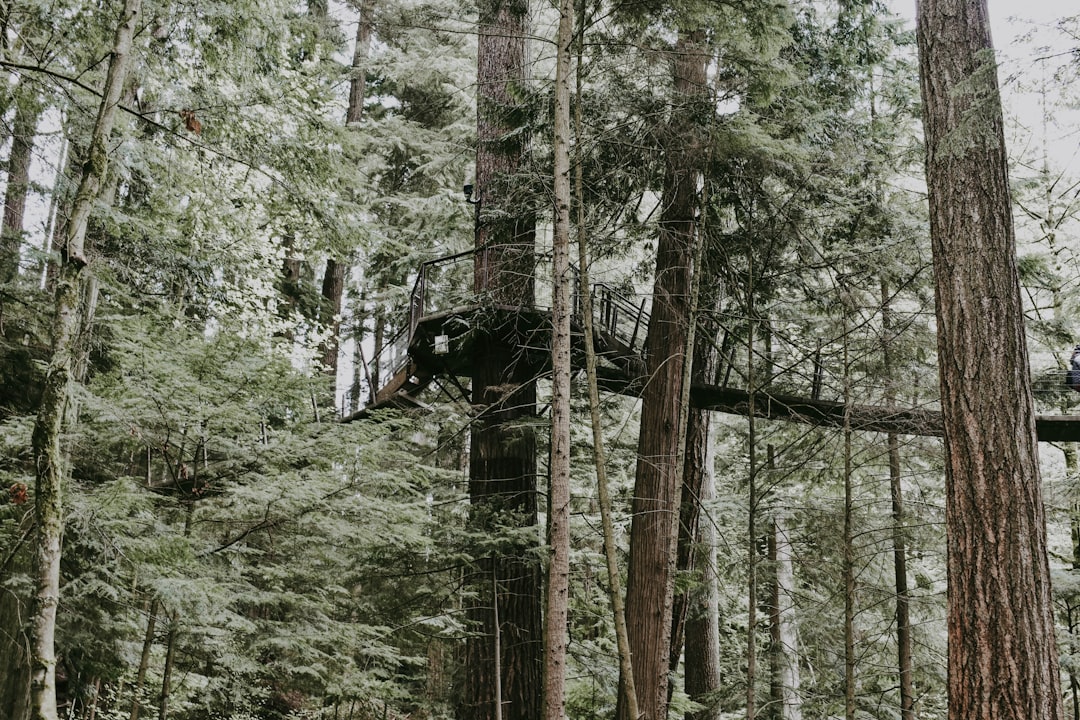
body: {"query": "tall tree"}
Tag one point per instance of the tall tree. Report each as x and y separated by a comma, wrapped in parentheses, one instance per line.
(27, 112)
(1003, 661)
(48, 456)
(558, 585)
(657, 487)
(502, 457)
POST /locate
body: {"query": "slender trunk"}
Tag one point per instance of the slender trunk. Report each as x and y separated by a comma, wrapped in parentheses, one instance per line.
(702, 667)
(27, 111)
(628, 695)
(784, 635)
(558, 588)
(849, 548)
(48, 458)
(144, 659)
(166, 671)
(751, 522)
(170, 637)
(903, 596)
(1003, 658)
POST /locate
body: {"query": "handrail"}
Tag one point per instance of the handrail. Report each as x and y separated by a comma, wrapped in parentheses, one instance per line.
(615, 314)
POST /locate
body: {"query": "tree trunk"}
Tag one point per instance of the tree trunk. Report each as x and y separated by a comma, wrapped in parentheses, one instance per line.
(701, 670)
(1003, 661)
(27, 111)
(628, 696)
(333, 288)
(694, 553)
(558, 586)
(654, 527)
(903, 596)
(48, 458)
(784, 633)
(14, 647)
(849, 546)
(502, 456)
(144, 659)
(361, 49)
(166, 671)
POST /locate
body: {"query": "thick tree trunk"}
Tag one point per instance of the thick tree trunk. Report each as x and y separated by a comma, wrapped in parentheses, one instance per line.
(1003, 660)
(558, 586)
(48, 457)
(654, 527)
(27, 111)
(502, 457)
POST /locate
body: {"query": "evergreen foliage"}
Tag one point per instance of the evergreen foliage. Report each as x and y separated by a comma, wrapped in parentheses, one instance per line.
(232, 551)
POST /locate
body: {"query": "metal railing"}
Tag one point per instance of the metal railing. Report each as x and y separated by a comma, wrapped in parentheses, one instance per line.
(445, 283)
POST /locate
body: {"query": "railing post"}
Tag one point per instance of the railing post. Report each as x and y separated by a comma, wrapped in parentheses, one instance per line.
(637, 324)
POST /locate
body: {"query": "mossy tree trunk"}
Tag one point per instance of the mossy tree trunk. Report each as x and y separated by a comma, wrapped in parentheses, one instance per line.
(47, 453)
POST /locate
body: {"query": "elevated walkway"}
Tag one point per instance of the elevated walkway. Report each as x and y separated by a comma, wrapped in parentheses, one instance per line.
(437, 341)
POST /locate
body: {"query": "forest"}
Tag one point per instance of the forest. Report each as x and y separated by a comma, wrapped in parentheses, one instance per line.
(511, 360)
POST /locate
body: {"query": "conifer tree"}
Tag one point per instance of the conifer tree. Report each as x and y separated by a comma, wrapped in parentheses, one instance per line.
(1003, 660)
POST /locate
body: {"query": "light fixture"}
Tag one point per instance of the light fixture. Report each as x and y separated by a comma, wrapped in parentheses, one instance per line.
(442, 344)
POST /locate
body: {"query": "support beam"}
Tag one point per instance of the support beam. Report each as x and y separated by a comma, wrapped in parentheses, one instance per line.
(927, 423)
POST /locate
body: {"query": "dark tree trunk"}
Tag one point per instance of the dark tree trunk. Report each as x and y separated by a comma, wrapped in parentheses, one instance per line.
(27, 111)
(361, 50)
(693, 620)
(502, 457)
(1003, 661)
(653, 533)
(333, 288)
(903, 597)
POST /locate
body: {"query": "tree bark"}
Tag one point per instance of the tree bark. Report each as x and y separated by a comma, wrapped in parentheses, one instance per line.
(784, 632)
(692, 624)
(502, 456)
(628, 694)
(558, 586)
(654, 527)
(361, 49)
(702, 674)
(333, 288)
(48, 457)
(1003, 660)
(903, 597)
(144, 659)
(27, 111)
